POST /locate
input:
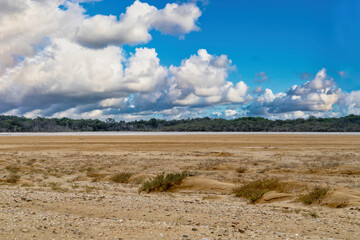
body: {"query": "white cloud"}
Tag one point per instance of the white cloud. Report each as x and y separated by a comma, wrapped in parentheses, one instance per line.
(61, 62)
(143, 72)
(350, 102)
(66, 79)
(230, 113)
(177, 19)
(133, 26)
(319, 94)
(65, 71)
(203, 77)
(76, 114)
(26, 24)
(22, 29)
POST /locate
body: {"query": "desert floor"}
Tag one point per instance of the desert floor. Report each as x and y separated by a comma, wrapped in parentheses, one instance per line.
(60, 187)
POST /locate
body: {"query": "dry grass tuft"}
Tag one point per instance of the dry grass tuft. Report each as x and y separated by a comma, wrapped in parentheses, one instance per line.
(12, 178)
(241, 170)
(122, 177)
(162, 183)
(315, 195)
(256, 189)
(12, 169)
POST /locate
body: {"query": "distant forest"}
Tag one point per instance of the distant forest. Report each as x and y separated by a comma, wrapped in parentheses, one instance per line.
(349, 123)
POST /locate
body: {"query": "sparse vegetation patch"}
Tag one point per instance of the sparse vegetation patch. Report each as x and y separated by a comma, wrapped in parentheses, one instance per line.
(122, 177)
(256, 189)
(315, 195)
(241, 170)
(12, 178)
(162, 183)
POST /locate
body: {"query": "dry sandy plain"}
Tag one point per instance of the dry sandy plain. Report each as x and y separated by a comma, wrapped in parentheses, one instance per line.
(65, 192)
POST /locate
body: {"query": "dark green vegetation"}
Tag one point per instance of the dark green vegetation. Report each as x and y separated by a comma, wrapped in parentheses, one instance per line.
(256, 189)
(122, 177)
(314, 196)
(162, 183)
(349, 123)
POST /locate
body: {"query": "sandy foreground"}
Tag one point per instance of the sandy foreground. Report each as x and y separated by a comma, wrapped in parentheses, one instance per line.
(65, 191)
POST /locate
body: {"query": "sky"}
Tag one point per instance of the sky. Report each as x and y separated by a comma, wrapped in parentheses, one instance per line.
(132, 60)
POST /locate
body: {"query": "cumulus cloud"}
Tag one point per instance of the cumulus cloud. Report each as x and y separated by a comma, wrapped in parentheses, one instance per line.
(74, 66)
(230, 113)
(133, 26)
(350, 102)
(26, 24)
(65, 71)
(22, 28)
(319, 94)
(202, 78)
(66, 78)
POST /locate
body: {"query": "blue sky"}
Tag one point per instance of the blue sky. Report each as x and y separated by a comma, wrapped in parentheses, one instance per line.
(265, 45)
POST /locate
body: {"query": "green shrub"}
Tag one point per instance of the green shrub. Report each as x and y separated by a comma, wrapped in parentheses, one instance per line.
(256, 189)
(315, 195)
(162, 183)
(122, 177)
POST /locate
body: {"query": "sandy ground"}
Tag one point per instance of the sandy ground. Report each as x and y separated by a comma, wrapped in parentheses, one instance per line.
(65, 189)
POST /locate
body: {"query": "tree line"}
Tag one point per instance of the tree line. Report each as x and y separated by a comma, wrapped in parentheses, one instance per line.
(350, 123)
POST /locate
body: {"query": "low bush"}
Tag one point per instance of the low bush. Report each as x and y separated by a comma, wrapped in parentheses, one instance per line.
(122, 177)
(315, 195)
(12, 178)
(256, 189)
(12, 169)
(241, 170)
(162, 183)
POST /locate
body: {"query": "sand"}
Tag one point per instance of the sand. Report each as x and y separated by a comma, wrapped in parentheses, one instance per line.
(65, 189)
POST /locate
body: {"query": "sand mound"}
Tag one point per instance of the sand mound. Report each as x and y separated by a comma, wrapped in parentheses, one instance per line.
(140, 178)
(342, 197)
(274, 196)
(203, 184)
(290, 187)
(285, 191)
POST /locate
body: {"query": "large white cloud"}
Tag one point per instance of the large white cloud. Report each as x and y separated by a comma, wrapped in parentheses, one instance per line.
(65, 70)
(203, 79)
(26, 24)
(350, 102)
(134, 25)
(320, 94)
